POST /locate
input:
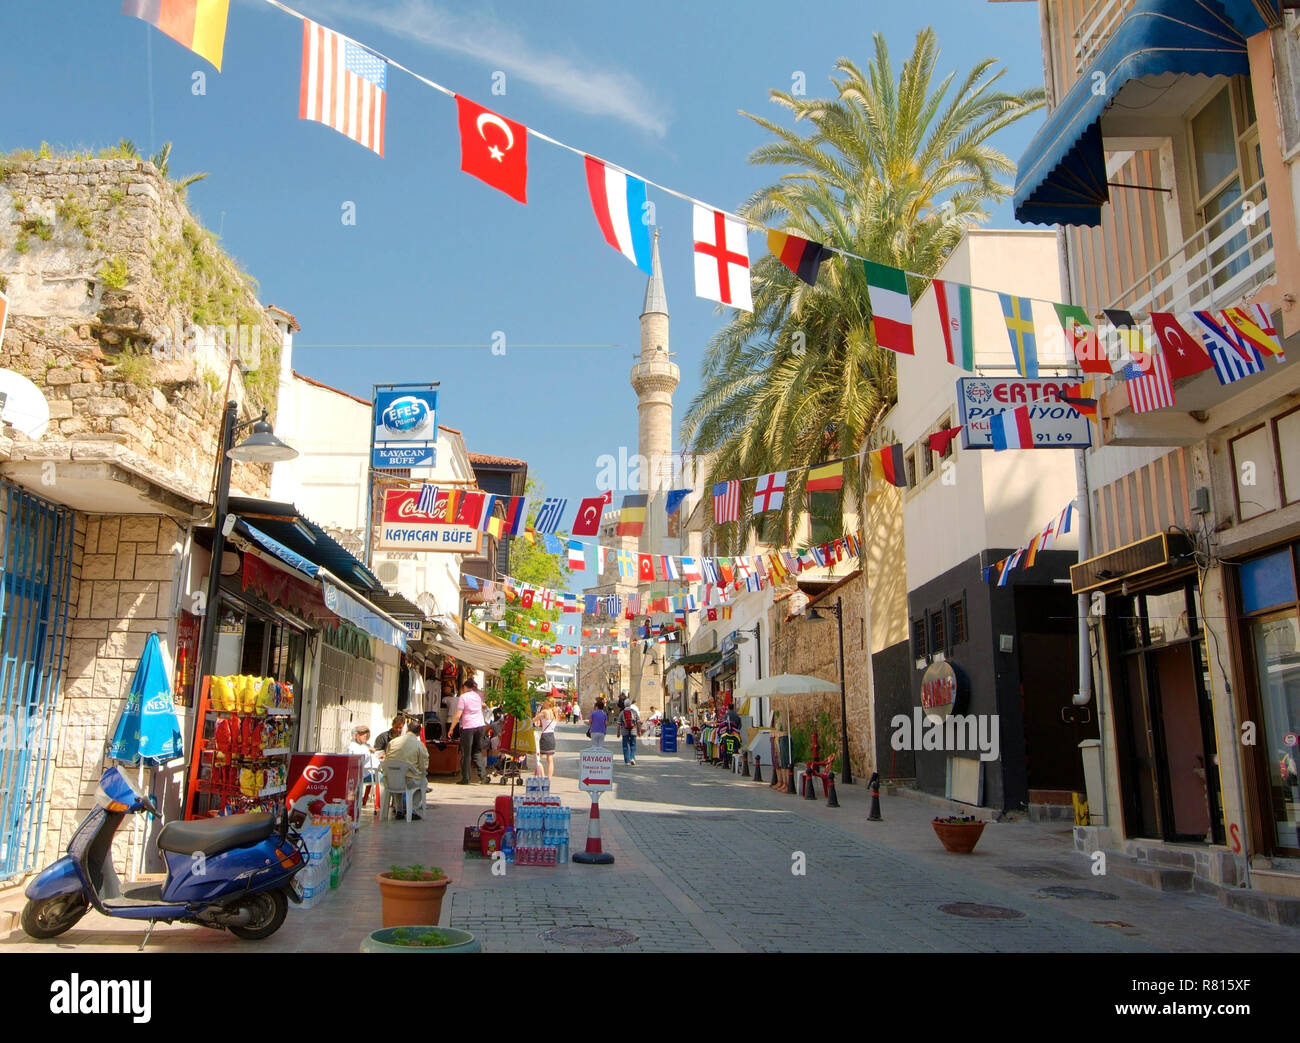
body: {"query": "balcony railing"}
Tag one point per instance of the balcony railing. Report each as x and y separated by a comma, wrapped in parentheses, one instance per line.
(1215, 267)
(1099, 22)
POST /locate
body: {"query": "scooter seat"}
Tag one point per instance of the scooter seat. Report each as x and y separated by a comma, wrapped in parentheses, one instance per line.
(215, 835)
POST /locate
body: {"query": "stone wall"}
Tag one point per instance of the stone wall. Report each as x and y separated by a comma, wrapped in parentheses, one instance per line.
(801, 646)
(124, 575)
(118, 306)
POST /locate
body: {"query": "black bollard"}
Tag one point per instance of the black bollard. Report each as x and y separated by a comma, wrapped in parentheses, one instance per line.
(758, 767)
(745, 773)
(831, 800)
(810, 786)
(874, 816)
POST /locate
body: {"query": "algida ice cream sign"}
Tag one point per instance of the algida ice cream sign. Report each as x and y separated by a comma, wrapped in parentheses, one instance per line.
(406, 428)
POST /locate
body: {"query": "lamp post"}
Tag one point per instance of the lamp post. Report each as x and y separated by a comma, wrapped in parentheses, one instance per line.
(260, 447)
(815, 614)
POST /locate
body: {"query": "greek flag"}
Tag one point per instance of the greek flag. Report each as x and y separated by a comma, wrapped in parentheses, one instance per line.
(549, 514)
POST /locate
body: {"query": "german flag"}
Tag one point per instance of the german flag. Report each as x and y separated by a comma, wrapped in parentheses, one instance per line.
(199, 25)
(1082, 398)
(887, 464)
(802, 257)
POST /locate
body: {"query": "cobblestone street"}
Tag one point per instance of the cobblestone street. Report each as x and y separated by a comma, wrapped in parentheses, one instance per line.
(704, 863)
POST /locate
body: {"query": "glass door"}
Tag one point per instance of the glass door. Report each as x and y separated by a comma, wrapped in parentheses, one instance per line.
(1275, 641)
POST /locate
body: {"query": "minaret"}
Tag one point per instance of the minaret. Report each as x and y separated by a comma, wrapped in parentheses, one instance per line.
(654, 378)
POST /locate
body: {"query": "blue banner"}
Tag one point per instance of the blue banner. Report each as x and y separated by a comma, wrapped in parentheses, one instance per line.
(405, 428)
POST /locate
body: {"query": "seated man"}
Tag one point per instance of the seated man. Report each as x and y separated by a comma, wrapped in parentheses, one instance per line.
(409, 751)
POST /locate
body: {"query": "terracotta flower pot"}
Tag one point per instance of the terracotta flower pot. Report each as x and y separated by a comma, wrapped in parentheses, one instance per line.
(411, 901)
(958, 837)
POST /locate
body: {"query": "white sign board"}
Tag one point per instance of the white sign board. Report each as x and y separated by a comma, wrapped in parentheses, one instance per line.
(1056, 425)
(596, 768)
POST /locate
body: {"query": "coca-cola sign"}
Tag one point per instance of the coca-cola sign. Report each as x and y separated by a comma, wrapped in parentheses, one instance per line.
(405, 527)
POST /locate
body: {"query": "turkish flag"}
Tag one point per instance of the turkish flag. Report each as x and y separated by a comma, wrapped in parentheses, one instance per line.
(645, 568)
(527, 599)
(1183, 352)
(608, 497)
(712, 614)
(587, 523)
(493, 149)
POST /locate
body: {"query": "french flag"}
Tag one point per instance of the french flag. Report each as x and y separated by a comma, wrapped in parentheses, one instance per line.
(1012, 429)
(619, 202)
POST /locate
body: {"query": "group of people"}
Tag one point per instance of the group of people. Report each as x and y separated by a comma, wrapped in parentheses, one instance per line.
(627, 720)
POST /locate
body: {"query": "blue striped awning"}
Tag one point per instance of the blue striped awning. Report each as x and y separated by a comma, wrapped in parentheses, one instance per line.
(1062, 175)
(290, 558)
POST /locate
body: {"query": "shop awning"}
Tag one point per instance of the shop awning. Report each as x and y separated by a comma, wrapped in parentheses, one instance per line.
(294, 561)
(481, 655)
(693, 664)
(492, 644)
(362, 614)
(285, 524)
(722, 666)
(1062, 175)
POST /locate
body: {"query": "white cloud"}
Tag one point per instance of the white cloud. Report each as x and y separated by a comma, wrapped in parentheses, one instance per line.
(574, 81)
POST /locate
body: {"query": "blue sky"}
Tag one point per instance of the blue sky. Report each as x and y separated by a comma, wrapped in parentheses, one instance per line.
(437, 257)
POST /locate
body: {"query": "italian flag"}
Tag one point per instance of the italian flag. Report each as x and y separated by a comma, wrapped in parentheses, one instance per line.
(891, 307)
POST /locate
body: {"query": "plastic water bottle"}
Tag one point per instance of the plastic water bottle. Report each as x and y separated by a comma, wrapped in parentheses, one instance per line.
(508, 846)
(562, 855)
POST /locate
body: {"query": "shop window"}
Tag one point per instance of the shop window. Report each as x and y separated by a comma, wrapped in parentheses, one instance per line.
(824, 510)
(1167, 617)
(924, 459)
(918, 639)
(936, 632)
(1286, 429)
(909, 461)
(1255, 471)
(948, 449)
(957, 621)
(1267, 581)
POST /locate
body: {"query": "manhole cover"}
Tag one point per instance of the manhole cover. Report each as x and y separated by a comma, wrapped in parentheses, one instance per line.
(1073, 892)
(593, 937)
(975, 911)
(1037, 871)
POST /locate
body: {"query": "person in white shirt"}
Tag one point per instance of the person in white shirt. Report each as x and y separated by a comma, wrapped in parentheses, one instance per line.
(470, 716)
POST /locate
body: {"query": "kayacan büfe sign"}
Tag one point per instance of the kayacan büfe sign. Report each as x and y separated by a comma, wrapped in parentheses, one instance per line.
(403, 527)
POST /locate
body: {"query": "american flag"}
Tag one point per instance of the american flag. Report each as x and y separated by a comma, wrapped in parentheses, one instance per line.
(726, 502)
(549, 514)
(342, 86)
(1152, 390)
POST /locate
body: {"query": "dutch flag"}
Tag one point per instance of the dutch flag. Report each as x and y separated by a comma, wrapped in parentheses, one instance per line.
(618, 200)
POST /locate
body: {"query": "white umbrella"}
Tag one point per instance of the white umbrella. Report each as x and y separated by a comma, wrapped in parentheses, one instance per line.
(788, 685)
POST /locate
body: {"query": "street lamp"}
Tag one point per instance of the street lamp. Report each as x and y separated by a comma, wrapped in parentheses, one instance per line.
(260, 447)
(815, 614)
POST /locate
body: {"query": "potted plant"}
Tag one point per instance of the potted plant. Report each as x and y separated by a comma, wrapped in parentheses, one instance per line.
(420, 939)
(958, 833)
(412, 894)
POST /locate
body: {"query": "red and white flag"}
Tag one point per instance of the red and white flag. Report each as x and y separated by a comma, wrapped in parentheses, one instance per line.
(493, 149)
(4, 311)
(1152, 390)
(769, 492)
(721, 258)
(343, 86)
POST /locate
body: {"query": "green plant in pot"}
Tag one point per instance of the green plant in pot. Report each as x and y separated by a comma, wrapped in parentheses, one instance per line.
(418, 939)
(958, 833)
(412, 894)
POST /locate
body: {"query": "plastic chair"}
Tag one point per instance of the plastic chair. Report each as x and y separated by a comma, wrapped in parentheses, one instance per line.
(395, 782)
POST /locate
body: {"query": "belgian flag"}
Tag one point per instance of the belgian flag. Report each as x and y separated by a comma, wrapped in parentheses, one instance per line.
(887, 463)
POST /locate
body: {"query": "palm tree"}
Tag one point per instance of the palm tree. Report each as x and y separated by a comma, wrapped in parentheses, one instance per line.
(894, 169)
(162, 160)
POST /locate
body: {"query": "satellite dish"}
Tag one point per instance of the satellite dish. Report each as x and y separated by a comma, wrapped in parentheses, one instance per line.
(22, 405)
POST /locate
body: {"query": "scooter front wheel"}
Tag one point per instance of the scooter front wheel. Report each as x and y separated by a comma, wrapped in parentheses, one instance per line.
(266, 910)
(50, 917)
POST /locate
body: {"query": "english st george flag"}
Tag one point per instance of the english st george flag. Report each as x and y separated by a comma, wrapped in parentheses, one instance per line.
(343, 86)
(493, 148)
(721, 258)
(769, 492)
(618, 200)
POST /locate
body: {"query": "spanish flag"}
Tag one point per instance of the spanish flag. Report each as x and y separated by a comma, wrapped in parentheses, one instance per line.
(802, 257)
(199, 25)
(825, 478)
(887, 464)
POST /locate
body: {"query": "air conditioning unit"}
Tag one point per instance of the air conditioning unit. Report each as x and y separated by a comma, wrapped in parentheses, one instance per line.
(388, 571)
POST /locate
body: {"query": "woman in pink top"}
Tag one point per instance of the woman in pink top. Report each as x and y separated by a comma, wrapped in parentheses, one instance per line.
(469, 715)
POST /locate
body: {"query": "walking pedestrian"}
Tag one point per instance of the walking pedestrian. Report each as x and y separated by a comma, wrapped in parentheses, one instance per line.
(599, 722)
(629, 726)
(545, 723)
(469, 715)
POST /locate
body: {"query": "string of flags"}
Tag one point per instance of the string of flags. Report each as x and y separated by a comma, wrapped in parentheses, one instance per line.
(344, 86)
(1026, 556)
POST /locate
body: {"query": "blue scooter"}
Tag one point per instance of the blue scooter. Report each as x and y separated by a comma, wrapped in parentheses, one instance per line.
(234, 873)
